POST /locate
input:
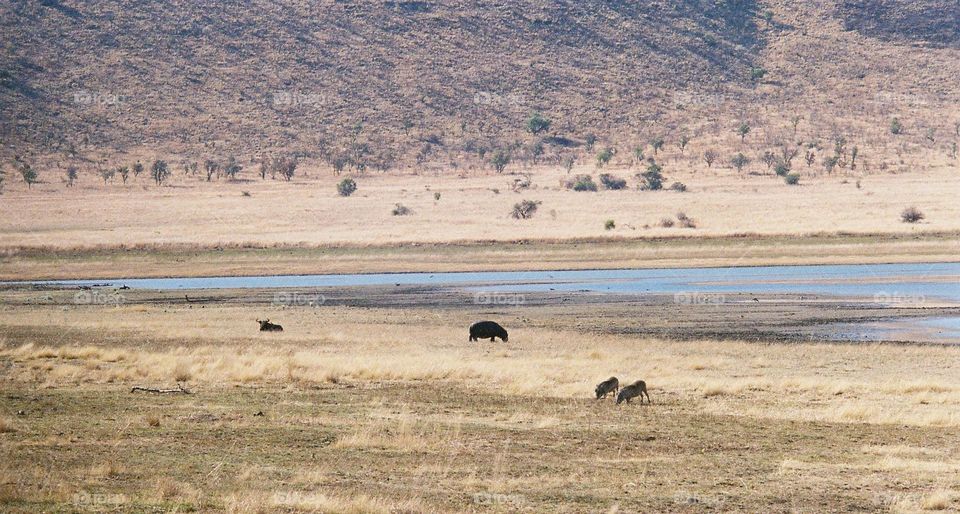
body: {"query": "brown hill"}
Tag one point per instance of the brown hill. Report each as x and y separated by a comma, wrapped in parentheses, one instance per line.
(446, 82)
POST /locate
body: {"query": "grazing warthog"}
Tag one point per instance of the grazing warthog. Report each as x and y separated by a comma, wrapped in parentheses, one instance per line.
(638, 388)
(610, 385)
(485, 329)
(266, 326)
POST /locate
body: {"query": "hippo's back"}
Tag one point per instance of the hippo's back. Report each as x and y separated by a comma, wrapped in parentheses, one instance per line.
(484, 329)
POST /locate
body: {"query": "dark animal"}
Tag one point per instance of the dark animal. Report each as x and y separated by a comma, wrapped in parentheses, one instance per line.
(266, 326)
(485, 329)
(638, 388)
(610, 385)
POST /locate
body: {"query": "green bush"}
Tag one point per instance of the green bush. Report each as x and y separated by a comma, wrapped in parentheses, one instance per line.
(896, 127)
(582, 183)
(346, 187)
(612, 182)
(652, 179)
(792, 178)
(609, 225)
(401, 210)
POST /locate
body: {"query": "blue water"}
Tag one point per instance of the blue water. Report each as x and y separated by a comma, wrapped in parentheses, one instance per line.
(886, 283)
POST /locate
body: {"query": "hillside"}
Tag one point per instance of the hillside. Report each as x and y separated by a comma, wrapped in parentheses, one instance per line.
(444, 83)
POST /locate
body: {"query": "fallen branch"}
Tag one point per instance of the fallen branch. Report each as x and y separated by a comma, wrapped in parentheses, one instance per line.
(179, 389)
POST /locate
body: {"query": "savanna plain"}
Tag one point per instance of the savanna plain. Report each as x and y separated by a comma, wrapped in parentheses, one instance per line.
(390, 409)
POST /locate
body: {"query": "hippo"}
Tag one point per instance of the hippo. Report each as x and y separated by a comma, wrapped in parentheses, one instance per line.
(485, 329)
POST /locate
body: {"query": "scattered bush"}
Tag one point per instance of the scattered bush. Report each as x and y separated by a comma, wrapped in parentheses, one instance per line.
(159, 171)
(792, 178)
(500, 160)
(401, 210)
(30, 175)
(72, 175)
(686, 221)
(911, 215)
(679, 187)
(582, 183)
(739, 161)
(538, 123)
(525, 209)
(743, 130)
(896, 127)
(604, 157)
(609, 225)
(709, 156)
(436, 197)
(612, 182)
(346, 187)
(652, 179)
(666, 222)
(781, 169)
(589, 140)
(232, 168)
(521, 183)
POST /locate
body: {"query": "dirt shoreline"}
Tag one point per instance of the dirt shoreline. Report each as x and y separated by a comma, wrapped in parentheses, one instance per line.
(775, 317)
(198, 261)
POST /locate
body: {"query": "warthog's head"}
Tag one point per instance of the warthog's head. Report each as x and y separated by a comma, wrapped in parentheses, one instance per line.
(263, 323)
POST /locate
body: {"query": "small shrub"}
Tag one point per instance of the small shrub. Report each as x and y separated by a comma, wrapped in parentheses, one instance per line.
(896, 127)
(603, 158)
(911, 215)
(436, 197)
(521, 183)
(679, 187)
(582, 183)
(612, 182)
(401, 210)
(245, 193)
(500, 160)
(537, 123)
(346, 187)
(686, 221)
(609, 225)
(153, 420)
(525, 209)
(792, 178)
(781, 170)
(666, 222)
(739, 161)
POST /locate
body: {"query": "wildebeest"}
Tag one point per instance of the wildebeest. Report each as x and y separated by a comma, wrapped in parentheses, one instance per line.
(610, 385)
(266, 326)
(638, 388)
(485, 329)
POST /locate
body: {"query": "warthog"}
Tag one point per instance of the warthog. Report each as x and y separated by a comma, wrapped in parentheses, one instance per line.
(266, 326)
(610, 385)
(485, 329)
(638, 388)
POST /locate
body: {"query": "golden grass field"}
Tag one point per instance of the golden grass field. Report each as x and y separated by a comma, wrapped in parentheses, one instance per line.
(198, 228)
(392, 410)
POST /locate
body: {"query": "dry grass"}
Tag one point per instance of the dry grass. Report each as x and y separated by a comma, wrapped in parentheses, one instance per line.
(468, 211)
(359, 418)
